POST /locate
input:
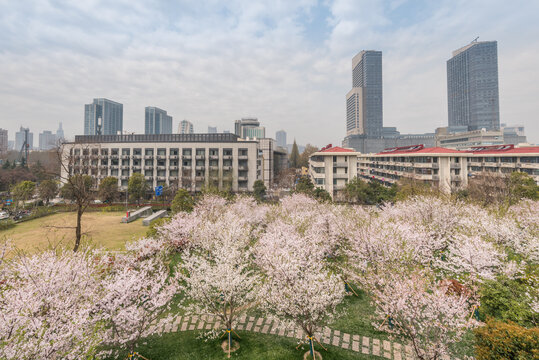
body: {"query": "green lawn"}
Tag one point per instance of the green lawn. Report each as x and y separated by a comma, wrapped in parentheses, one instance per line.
(186, 345)
(102, 229)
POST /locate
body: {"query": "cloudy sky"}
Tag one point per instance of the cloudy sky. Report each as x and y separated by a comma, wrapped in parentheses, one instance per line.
(286, 62)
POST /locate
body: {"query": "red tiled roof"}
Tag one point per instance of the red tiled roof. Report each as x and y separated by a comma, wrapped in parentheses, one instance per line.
(418, 149)
(505, 149)
(337, 149)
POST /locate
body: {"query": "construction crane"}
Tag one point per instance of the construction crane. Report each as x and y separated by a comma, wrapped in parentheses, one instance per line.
(23, 153)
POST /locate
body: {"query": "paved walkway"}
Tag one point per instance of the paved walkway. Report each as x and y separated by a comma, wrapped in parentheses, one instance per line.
(361, 344)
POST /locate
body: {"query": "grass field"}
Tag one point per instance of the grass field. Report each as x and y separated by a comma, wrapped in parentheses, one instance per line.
(187, 346)
(102, 229)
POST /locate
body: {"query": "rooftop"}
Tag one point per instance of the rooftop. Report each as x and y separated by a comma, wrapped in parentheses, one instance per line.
(418, 149)
(336, 149)
(504, 149)
(156, 138)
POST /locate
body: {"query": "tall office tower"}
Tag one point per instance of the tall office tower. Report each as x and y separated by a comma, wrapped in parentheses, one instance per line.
(156, 121)
(19, 139)
(472, 86)
(60, 133)
(47, 140)
(185, 127)
(364, 105)
(103, 117)
(4, 144)
(280, 137)
(212, 130)
(249, 128)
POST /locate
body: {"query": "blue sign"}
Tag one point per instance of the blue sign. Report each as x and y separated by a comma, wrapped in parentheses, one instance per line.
(158, 190)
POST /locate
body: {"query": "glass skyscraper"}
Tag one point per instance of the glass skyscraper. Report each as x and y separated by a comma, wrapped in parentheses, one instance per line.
(472, 86)
(364, 103)
(156, 121)
(111, 114)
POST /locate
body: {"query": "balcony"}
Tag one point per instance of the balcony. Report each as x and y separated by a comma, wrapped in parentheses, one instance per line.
(125, 156)
(124, 177)
(200, 157)
(198, 167)
(339, 176)
(340, 164)
(125, 166)
(148, 167)
(242, 178)
(187, 167)
(455, 177)
(214, 167)
(227, 157)
(148, 156)
(455, 165)
(173, 178)
(115, 156)
(148, 177)
(243, 168)
(161, 157)
(173, 167)
(243, 157)
(227, 168)
(161, 167)
(173, 157)
(199, 178)
(214, 157)
(137, 156)
(161, 178)
(187, 157)
(114, 167)
(136, 167)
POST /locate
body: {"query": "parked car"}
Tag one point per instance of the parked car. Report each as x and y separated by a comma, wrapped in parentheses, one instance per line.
(4, 215)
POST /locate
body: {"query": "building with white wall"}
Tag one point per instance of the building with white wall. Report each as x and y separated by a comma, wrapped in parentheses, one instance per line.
(190, 161)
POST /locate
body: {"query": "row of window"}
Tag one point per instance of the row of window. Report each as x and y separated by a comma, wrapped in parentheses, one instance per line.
(159, 152)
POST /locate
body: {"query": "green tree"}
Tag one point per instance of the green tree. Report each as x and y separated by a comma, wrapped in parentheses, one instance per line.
(294, 156)
(23, 191)
(522, 185)
(108, 189)
(370, 193)
(305, 186)
(137, 187)
(47, 190)
(306, 154)
(183, 201)
(78, 188)
(321, 195)
(259, 189)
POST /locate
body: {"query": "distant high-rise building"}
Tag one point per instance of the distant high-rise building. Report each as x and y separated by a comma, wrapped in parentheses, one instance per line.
(47, 140)
(280, 137)
(185, 127)
(212, 130)
(156, 121)
(60, 133)
(103, 117)
(249, 128)
(19, 139)
(472, 86)
(4, 144)
(364, 103)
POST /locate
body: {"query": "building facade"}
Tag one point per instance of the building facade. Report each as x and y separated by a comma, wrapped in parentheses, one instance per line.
(103, 117)
(156, 121)
(332, 168)
(472, 86)
(364, 103)
(20, 137)
(4, 143)
(249, 128)
(280, 138)
(47, 140)
(185, 127)
(189, 161)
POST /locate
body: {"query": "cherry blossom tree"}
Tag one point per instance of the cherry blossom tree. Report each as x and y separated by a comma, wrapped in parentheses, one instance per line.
(47, 307)
(299, 286)
(216, 271)
(415, 306)
(136, 292)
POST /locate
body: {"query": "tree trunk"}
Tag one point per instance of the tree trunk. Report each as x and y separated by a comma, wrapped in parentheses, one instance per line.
(78, 229)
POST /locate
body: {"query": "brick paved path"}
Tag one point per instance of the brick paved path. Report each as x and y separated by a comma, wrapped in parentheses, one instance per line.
(363, 344)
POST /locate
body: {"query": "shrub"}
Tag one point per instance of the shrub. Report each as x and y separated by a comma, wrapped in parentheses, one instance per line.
(183, 201)
(6, 224)
(500, 341)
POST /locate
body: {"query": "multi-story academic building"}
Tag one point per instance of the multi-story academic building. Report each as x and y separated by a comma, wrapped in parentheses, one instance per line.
(190, 161)
(332, 167)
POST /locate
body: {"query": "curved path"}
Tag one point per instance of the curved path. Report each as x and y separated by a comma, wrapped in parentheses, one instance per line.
(361, 344)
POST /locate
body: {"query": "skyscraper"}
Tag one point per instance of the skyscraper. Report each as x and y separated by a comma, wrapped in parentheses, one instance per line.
(185, 127)
(472, 86)
(60, 133)
(47, 140)
(156, 121)
(280, 137)
(4, 144)
(364, 103)
(19, 139)
(249, 128)
(110, 113)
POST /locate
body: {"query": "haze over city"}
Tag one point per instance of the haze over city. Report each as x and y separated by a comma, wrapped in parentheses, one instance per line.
(286, 63)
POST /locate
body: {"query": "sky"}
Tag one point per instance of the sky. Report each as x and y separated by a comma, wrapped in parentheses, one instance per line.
(288, 63)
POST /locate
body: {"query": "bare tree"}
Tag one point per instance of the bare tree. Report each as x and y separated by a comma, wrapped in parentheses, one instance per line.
(77, 186)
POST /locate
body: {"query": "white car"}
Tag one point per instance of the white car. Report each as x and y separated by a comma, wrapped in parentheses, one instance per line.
(4, 215)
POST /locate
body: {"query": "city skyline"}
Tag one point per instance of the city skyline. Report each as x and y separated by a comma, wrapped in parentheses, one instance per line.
(283, 50)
